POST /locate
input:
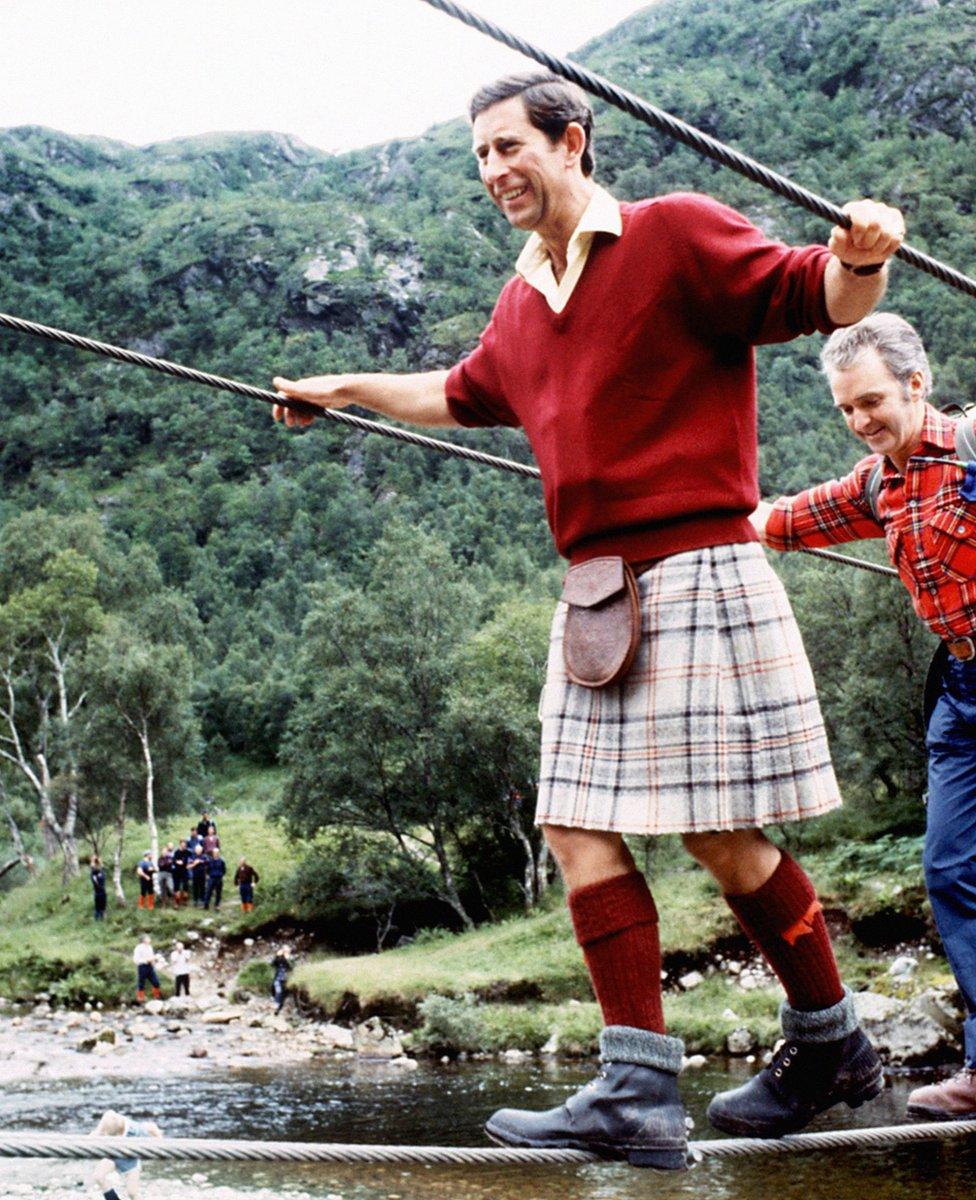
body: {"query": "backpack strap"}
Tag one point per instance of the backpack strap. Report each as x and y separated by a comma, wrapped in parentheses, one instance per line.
(872, 489)
(966, 439)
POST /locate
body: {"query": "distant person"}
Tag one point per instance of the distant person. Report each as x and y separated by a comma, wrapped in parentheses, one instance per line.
(179, 964)
(165, 889)
(144, 956)
(181, 873)
(203, 825)
(245, 877)
(211, 841)
(127, 1171)
(216, 870)
(198, 870)
(97, 873)
(281, 964)
(144, 873)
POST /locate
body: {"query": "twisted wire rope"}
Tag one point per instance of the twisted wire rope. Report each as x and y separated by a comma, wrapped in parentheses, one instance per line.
(178, 371)
(700, 142)
(79, 1146)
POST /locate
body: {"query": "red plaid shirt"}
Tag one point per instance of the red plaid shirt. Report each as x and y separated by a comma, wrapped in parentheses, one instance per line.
(929, 527)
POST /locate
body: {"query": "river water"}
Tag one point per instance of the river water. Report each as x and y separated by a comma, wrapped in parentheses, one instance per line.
(445, 1105)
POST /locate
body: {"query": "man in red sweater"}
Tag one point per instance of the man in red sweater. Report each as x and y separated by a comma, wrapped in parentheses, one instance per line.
(624, 347)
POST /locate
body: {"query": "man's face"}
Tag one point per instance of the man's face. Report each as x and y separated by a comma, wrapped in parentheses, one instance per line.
(527, 177)
(879, 410)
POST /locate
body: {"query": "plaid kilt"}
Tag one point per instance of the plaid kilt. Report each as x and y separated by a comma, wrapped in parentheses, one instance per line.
(716, 725)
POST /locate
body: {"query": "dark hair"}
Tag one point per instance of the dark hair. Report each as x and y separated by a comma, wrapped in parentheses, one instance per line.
(551, 103)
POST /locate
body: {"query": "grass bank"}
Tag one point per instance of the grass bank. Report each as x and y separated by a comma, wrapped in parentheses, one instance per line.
(49, 941)
(522, 983)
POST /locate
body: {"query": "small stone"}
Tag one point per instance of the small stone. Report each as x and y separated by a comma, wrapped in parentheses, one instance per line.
(903, 968)
(192, 936)
(198, 1177)
(513, 1056)
(153, 1007)
(444, 1060)
(88, 1006)
(552, 1045)
(404, 1063)
(249, 941)
(730, 1015)
(750, 1058)
(740, 1041)
(691, 980)
(734, 968)
(198, 1051)
(574, 1003)
(694, 1063)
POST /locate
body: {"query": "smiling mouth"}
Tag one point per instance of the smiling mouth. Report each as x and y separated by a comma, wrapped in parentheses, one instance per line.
(512, 194)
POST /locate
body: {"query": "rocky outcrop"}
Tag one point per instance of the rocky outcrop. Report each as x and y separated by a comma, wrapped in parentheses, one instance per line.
(918, 1032)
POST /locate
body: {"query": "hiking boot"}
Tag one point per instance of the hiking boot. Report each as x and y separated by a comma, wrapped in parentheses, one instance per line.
(951, 1100)
(825, 1060)
(631, 1110)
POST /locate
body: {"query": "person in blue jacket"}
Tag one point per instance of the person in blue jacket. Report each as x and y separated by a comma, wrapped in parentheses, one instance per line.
(216, 870)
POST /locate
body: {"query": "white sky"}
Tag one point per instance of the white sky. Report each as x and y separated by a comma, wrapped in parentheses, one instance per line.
(336, 73)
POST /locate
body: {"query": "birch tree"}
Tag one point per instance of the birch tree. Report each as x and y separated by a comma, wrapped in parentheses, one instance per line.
(44, 629)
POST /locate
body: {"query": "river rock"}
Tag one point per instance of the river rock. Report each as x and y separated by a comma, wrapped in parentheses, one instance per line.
(103, 1048)
(740, 1041)
(903, 968)
(903, 1032)
(222, 1016)
(198, 1051)
(153, 1007)
(691, 980)
(694, 1063)
(373, 1041)
(552, 1045)
(513, 1056)
(336, 1036)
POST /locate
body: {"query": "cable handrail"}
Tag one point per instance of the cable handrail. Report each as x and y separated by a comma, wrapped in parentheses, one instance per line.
(698, 141)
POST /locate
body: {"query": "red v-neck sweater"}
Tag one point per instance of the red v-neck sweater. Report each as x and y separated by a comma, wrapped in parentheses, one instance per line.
(639, 398)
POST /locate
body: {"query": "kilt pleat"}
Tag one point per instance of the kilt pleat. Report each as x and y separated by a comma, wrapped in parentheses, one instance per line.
(717, 724)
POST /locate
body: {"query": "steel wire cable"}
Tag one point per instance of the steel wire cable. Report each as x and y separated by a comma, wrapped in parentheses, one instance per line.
(681, 131)
(178, 371)
(80, 1146)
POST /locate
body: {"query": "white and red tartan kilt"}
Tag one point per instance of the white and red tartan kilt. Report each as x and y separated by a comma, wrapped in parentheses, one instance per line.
(716, 725)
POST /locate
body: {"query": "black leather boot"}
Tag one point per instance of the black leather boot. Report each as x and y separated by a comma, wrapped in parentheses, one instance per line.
(631, 1110)
(825, 1060)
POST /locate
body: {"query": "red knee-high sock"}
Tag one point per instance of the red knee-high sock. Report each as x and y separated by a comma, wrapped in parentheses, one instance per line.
(783, 918)
(616, 925)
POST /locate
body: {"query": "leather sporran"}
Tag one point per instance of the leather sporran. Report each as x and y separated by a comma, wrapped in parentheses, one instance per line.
(603, 623)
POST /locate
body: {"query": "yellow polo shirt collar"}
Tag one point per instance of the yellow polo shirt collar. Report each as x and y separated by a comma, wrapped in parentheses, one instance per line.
(601, 215)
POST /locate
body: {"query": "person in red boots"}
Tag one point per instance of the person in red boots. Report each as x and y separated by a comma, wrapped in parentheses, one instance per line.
(245, 877)
(678, 696)
(145, 870)
(144, 956)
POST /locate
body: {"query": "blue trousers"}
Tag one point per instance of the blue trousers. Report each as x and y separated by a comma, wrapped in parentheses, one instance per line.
(950, 836)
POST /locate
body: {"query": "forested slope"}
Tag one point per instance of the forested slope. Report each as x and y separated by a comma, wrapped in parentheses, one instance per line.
(251, 255)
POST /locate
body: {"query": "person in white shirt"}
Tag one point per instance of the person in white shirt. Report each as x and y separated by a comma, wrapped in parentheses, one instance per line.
(144, 956)
(179, 963)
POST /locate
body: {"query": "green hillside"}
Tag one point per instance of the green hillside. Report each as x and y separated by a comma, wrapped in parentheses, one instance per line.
(240, 553)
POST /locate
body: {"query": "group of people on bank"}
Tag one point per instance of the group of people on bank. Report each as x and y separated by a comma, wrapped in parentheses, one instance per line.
(678, 696)
(192, 871)
(180, 963)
